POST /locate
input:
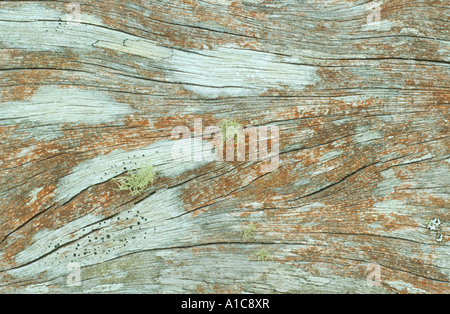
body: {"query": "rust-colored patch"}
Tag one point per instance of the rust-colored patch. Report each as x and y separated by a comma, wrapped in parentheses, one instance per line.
(33, 68)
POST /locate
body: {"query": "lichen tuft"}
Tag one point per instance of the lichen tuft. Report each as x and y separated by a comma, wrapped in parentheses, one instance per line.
(137, 180)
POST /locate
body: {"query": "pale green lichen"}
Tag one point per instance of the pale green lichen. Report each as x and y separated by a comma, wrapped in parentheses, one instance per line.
(263, 255)
(137, 180)
(231, 129)
(249, 232)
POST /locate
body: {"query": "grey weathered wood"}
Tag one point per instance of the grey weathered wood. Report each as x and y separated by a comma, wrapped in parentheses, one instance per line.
(364, 149)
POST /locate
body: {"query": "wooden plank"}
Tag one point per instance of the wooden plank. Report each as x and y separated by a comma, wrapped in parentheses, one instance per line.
(361, 102)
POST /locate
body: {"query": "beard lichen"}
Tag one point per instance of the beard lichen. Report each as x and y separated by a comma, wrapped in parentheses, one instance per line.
(231, 129)
(137, 180)
(249, 232)
(263, 255)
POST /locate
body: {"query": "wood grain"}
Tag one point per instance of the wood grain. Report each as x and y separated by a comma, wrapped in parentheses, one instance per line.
(363, 112)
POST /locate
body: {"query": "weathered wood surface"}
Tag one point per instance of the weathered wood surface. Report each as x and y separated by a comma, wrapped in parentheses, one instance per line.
(364, 147)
